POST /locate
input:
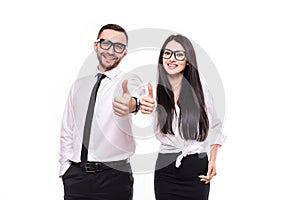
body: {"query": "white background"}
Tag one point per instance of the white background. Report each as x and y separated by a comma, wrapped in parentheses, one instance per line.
(255, 46)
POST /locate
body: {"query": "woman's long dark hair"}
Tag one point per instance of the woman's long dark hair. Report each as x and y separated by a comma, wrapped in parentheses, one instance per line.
(193, 120)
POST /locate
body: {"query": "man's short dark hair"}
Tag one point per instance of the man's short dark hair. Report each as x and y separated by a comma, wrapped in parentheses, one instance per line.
(114, 27)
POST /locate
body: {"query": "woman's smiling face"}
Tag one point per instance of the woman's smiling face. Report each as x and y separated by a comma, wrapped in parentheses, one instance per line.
(174, 60)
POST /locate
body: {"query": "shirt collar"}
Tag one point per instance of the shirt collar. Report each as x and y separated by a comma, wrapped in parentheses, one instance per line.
(112, 73)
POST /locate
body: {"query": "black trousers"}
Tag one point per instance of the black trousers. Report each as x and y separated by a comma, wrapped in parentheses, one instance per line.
(171, 183)
(109, 184)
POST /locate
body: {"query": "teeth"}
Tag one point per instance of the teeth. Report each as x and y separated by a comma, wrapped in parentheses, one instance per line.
(109, 57)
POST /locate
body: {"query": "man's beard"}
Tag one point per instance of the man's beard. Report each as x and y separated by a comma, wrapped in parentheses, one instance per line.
(108, 67)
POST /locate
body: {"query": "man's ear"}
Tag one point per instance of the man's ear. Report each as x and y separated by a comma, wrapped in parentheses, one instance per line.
(96, 47)
(125, 53)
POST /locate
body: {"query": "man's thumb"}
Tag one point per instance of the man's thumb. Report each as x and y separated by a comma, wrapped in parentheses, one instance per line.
(124, 87)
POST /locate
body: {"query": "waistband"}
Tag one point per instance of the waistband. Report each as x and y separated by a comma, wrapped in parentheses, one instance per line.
(165, 159)
(174, 156)
(93, 167)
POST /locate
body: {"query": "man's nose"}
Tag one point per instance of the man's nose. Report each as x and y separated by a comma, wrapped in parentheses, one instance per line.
(111, 49)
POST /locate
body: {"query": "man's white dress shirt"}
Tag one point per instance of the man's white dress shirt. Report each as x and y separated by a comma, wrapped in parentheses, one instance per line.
(111, 137)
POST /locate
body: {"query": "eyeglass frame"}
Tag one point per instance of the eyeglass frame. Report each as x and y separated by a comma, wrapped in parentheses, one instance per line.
(112, 44)
(173, 52)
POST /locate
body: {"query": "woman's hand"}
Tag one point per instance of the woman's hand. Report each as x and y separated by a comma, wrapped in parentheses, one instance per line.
(147, 103)
(211, 172)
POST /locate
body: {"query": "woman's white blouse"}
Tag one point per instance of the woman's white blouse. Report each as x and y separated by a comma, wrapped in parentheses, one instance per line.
(175, 143)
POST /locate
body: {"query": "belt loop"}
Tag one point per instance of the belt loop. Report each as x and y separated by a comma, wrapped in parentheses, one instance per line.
(98, 167)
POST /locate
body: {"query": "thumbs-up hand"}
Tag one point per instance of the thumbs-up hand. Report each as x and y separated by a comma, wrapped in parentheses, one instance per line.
(147, 103)
(124, 104)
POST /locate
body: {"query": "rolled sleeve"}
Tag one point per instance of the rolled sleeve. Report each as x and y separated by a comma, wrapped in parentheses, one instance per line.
(215, 135)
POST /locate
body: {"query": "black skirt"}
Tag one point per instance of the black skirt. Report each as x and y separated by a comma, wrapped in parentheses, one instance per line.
(183, 183)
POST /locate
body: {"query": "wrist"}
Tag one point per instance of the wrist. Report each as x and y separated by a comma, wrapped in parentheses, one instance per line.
(135, 105)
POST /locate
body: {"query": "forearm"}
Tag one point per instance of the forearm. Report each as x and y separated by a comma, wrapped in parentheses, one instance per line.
(213, 152)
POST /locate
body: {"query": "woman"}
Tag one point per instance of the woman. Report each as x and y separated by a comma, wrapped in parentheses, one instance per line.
(186, 125)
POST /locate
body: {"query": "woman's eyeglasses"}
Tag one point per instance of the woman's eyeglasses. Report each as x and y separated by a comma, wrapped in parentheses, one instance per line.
(179, 55)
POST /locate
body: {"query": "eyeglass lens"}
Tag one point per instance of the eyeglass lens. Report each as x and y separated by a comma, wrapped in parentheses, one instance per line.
(106, 44)
(179, 55)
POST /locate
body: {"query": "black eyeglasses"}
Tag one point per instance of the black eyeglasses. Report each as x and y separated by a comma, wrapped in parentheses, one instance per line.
(106, 44)
(179, 55)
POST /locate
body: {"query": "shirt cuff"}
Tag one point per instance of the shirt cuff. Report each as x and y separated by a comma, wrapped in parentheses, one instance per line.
(63, 168)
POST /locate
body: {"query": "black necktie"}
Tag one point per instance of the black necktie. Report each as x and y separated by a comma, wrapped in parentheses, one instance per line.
(89, 118)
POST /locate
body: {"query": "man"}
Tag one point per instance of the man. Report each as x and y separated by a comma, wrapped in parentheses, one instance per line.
(96, 139)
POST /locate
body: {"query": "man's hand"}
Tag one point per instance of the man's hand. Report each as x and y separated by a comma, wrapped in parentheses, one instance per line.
(124, 104)
(147, 103)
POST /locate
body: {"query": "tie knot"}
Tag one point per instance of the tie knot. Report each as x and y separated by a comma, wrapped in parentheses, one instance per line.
(100, 76)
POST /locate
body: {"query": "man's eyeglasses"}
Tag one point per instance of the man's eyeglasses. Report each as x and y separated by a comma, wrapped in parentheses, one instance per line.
(106, 44)
(179, 55)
